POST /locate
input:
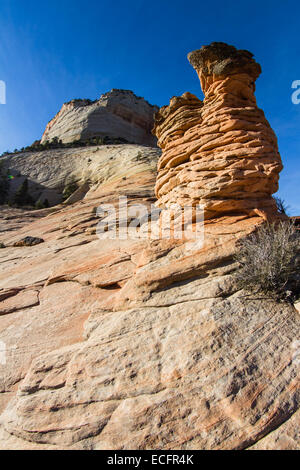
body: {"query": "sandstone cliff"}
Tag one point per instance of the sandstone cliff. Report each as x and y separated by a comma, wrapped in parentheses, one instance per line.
(49, 171)
(141, 343)
(118, 114)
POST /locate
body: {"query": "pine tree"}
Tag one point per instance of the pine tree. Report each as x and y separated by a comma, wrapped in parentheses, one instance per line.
(22, 197)
(4, 185)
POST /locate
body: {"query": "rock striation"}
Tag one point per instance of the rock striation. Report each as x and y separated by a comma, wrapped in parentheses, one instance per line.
(220, 153)
(117, 114)
(135, 344)
(140, 343)
(49, 171)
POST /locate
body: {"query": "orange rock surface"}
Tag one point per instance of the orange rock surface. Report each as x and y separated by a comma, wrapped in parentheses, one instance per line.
(143, 343)
(138, 344)
(220, 153)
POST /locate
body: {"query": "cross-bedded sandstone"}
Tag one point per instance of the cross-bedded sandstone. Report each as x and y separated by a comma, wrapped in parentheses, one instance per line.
(222, 152)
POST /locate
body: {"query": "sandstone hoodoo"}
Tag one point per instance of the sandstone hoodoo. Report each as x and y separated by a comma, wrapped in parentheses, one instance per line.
(220, 153)
(117, 114)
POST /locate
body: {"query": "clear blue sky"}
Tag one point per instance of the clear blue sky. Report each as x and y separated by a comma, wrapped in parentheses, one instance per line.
(53, 51)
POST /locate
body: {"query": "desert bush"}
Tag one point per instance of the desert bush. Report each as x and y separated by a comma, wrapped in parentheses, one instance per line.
(269, 260)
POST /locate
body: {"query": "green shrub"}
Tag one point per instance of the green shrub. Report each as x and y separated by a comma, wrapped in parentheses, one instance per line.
(269, 260)
(69, 189)
(39, 205)
(56, 143)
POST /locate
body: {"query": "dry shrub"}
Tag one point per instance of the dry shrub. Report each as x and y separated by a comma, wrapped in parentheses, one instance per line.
(269, 260)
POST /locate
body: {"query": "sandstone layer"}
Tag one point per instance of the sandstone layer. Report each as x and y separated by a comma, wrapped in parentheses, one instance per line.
(220, 153)
(138, 344)
(49, 171)
(117, 114)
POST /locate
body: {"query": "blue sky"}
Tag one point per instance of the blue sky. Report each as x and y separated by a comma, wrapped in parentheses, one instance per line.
(53, 51)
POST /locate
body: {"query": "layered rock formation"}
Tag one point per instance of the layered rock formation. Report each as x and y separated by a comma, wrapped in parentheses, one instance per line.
(135, 344)
(117, 114)
(49, 171)
(140, 343)
(221, 153)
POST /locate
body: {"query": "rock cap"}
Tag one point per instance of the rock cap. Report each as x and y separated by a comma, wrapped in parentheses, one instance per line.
(220, 58)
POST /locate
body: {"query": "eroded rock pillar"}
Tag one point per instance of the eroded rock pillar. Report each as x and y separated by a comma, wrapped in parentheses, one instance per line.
(220, 153)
